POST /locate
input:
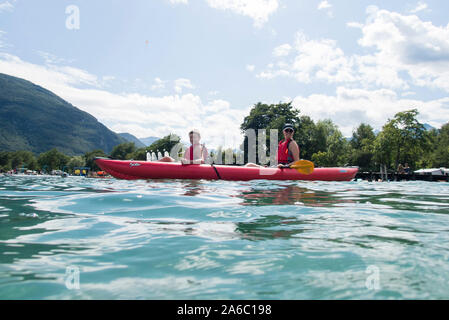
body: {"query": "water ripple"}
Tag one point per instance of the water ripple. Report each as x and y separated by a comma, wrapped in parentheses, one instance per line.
(222, 240)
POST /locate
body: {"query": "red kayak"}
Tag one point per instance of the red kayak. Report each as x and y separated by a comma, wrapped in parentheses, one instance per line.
(135, 170)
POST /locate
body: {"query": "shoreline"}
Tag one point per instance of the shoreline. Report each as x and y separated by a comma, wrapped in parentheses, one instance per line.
(366, 176)
(393, 176)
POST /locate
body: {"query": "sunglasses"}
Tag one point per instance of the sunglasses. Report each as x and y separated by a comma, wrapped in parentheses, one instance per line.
(289, 130)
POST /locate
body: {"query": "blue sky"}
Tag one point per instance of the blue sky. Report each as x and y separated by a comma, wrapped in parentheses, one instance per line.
(154, 67)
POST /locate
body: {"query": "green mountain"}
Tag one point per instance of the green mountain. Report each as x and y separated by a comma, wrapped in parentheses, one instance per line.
(149, 141)
(34, 119)
(129, 137)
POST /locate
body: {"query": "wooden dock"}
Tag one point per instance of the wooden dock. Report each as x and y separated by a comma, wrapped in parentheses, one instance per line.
(393, 176)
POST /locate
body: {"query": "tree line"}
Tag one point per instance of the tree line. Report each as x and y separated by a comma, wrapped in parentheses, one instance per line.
(47, 161)
(56, 160)
(402, 139)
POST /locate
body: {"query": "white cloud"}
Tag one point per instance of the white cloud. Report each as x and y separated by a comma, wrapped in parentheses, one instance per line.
(354, 25)
(140, 115)
(373, 71)
(350, 107)
(50, 58)
(408, 44)
(272, 74)
(183, 83)
(77, 76)
(371, 10)
(250, 67)
(324, 5)
(158, 84)
(108, 78)
(179, 1)
(419, 7)
(405, 51)
(143, 115)
(258, 10)
(1, 36)
(65, 75)
(282, 50)
(314, 59)
(6, 6)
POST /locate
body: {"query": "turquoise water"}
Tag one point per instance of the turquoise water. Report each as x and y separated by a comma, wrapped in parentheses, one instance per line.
(222, 240)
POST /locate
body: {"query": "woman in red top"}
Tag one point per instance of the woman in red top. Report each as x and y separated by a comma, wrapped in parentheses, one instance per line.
(288, 149)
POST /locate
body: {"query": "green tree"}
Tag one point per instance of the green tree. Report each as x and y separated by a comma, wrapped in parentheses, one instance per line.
(140, 154)
(167, 143)
(332, 147)
(306, 138)
(274, 116)
(428, 159)
(320, 159)
(25, 159)
(123, 151)
(338, 149)
(403, 139)
(323, 129)
(76, 161)
(363, 137)
(441, 148)
(53, 160)
(89, 158)
(362, 145)
(5, 160)
(383, 147)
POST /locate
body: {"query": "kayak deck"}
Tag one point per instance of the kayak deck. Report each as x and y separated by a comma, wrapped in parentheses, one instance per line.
(136, 170)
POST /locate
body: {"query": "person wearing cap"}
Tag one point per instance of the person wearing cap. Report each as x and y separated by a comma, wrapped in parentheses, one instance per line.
(288, 149)
(196, 154)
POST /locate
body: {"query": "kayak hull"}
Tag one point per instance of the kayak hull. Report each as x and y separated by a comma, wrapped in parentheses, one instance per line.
(136, 170)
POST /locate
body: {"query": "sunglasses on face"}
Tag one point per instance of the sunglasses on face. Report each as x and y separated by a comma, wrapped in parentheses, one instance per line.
(288, 130)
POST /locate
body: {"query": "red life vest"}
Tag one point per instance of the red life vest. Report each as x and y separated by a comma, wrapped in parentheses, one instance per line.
(196, 147)
(285, 156)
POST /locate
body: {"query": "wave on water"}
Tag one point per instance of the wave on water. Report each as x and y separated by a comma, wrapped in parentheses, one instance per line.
(222, 240)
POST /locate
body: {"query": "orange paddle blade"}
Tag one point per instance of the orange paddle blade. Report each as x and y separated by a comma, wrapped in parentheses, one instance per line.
(303, 166)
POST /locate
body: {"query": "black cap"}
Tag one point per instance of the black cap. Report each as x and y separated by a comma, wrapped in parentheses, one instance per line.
(288, 126)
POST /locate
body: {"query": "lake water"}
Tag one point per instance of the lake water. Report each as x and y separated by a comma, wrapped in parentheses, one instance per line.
(222, 240)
